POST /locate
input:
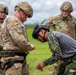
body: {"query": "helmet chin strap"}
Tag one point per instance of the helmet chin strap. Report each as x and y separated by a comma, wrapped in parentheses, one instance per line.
(43, 37)
(2, 18)
(21, 17)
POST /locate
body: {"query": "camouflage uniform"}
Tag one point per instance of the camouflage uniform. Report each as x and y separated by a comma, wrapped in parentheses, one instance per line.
(61, 24)
(15, 41)
(64, 25)
(67, 26)
(1, 71)
(60, 45)
(3, 8)
(0, 35)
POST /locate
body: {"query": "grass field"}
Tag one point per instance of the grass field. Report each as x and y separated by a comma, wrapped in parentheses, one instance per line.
(40, 53)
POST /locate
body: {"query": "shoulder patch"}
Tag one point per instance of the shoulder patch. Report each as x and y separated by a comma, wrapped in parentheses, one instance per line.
(15, 23)
(20, 27)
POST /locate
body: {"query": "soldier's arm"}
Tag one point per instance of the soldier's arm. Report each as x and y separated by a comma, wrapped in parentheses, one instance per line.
(15, 30)
(55, 48)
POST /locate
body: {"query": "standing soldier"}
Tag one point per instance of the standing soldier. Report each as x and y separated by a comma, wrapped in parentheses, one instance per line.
(64, 23)
(15, 44)
(3, 13)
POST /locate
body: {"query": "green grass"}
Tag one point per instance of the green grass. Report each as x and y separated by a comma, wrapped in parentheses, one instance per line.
(38, 55)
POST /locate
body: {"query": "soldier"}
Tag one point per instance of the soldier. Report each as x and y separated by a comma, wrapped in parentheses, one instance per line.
(15, 44)
(3, 13)
(62, 46)
(64, 23)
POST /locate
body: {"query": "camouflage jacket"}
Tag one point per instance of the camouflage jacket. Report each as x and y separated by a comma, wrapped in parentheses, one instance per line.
(0, 36)
(14, 36)
(67, 26)
(0, 26)
(62, 46)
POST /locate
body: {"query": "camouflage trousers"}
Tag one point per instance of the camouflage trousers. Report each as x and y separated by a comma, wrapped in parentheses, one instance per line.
(25, 69)
(66, 67)
(1, 72)
(17, 68)
(56, 65)
(71, 68)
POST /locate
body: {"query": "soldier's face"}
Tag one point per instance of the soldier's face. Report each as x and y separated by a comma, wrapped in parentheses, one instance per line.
(40, 36)
(65, 14)
(2, 16)
(23, 16)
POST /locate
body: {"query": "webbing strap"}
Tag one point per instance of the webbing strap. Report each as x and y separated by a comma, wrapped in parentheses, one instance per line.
(11, 63)
(11, 53)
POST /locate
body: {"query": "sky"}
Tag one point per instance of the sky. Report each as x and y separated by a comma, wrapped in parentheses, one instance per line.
(42, 9)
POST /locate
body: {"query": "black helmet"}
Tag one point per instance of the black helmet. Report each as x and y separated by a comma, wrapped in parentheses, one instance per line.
(37, 29)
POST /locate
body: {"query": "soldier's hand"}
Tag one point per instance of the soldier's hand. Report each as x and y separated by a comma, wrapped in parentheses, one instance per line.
(40, 66)
(32, 47)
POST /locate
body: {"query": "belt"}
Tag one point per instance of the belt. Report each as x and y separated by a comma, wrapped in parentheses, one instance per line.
(11, 53)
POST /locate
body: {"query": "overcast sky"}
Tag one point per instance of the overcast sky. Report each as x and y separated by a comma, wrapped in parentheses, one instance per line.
(42, 9)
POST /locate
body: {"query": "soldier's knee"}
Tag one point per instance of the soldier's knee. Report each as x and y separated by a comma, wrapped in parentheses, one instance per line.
(72, 72)
(55, 66)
